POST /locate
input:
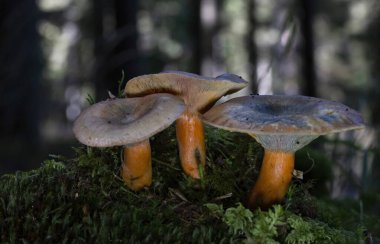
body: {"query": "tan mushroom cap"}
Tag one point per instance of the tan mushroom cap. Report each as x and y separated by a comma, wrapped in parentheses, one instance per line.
(198, 92)
(282, 122)
(126, 121)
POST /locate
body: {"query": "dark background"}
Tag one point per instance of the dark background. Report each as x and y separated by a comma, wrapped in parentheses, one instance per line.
(54, 53)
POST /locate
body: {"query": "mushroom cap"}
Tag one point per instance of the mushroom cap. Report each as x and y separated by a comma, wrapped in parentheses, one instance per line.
(126, 121)
(198, 92)
(276, 120)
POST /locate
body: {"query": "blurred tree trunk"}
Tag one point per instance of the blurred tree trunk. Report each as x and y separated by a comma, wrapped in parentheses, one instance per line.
(209, 16)
(98, 14)
(20, 75)
(195, 34)
(306, 16)
(372, 40)
(116, 51)
(251, 44)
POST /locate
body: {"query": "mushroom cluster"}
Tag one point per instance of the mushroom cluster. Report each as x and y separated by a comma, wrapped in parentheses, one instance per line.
(281, 124)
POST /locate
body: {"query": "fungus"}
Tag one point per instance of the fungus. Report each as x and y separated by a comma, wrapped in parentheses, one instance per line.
(282, 125)
(199, 94)
(129, 122)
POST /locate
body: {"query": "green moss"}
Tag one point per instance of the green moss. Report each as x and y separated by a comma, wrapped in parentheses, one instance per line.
(84, 200)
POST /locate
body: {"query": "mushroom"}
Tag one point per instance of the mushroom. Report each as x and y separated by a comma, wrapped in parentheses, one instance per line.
(282, 125)
(199, 94)
(129, 122)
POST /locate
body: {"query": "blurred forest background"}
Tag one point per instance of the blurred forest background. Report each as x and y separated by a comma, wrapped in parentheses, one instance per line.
(53, 53)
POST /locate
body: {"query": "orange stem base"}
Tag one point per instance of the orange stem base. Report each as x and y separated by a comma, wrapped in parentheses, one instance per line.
(191, 143)
(137, 166)
(273, 181)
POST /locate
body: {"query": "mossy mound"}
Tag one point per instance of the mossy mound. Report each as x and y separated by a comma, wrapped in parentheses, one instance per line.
(84, 200)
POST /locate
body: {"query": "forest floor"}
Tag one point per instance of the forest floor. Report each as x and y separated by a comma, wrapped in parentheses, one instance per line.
(84, 200)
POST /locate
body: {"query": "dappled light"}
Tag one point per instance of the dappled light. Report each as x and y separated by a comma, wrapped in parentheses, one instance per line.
(59, 57)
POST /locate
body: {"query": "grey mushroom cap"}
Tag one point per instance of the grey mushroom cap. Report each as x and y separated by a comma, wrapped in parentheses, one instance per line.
(281, 122)
(126, 121)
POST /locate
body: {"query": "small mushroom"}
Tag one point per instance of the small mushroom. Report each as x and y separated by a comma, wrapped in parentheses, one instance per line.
(282, 125)
(129, 122)
(199, 94)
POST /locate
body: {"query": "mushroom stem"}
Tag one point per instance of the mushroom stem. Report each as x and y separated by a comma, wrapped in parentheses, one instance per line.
(191, 143)
(273, 181)
(137, 166)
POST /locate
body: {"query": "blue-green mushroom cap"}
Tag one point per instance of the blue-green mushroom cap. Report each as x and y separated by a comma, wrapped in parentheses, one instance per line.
(281, 122)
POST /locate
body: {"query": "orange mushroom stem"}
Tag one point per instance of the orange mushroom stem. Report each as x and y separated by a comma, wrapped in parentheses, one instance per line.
(137, 166)
(191, 143)
(273, 181)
